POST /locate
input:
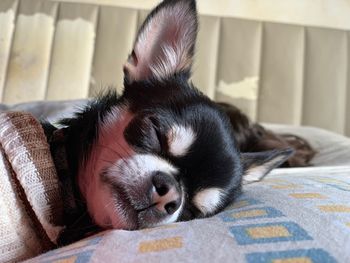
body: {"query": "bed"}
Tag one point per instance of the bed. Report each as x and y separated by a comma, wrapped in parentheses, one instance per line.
(293, 215)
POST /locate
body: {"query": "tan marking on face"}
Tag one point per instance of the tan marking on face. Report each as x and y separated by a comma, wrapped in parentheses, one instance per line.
(180, 139)
(207, 200)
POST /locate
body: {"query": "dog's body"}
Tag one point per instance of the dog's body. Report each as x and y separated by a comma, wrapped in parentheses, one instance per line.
(162, 151)
(252, 137)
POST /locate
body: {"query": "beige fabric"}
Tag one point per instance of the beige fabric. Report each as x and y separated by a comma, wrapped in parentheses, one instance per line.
(57, 50)
(30, 201)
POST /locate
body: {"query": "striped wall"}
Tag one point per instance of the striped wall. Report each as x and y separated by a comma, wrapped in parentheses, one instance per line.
(54, 50)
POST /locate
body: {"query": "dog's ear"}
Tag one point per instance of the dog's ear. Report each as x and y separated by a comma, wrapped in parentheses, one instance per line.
(257, 165)
(165, 42)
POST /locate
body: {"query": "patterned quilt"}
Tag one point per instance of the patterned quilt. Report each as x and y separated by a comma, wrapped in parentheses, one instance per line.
(293, 216)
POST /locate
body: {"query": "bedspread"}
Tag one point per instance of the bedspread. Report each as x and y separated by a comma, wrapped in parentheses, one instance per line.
(295, 215)
(30, 200)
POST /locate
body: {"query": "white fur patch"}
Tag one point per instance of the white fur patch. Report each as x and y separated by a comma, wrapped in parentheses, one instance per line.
(180, 139)
(137, 167)
(208, 199)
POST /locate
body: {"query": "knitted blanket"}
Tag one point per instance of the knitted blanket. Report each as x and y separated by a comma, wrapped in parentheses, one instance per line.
(30, 199)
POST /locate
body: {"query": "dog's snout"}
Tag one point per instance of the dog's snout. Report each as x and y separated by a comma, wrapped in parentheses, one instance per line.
(171, 207)
(165, 193)
(161, 183)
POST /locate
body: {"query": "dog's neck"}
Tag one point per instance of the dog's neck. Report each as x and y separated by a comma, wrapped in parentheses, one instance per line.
(70, 191)
(75, 212)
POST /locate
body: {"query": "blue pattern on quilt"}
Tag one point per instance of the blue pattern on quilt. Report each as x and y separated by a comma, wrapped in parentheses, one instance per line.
(303, 255)
(268, 233)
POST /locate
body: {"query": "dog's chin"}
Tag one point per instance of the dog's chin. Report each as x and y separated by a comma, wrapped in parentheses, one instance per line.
(110, 210)
(122, 216)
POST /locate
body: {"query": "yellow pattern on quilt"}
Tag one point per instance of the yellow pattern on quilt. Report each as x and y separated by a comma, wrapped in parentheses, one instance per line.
(308, 196)
(66, 260)
(293, 260)
(335, 208)
(249, 213)
(286, 186)
(328, 180)
(160, 245)
(240, 204)
(268, 232)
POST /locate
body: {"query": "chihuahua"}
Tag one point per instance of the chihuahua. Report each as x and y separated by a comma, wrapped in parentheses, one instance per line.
(162, 151)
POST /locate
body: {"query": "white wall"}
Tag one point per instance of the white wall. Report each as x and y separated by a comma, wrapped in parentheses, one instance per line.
(323, 13)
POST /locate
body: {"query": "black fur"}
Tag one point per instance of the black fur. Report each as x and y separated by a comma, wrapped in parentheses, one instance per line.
(213, 161)
(157, 104)
(81, 130)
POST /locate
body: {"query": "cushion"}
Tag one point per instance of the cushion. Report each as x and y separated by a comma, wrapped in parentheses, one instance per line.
(332, 149)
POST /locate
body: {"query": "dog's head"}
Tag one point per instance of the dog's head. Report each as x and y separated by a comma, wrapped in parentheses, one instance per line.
(162, 152)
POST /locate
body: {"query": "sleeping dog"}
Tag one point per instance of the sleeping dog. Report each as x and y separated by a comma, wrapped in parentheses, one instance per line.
(162, 151)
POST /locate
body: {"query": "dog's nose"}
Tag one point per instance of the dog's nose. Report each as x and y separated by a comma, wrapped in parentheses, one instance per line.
(165, 193)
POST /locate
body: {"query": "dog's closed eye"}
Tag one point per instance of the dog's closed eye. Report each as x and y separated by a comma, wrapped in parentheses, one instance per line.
(159, 132)
(144, 134)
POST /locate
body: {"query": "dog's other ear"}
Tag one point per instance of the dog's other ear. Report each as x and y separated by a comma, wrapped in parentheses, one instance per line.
(165, 42)
(257, 165)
